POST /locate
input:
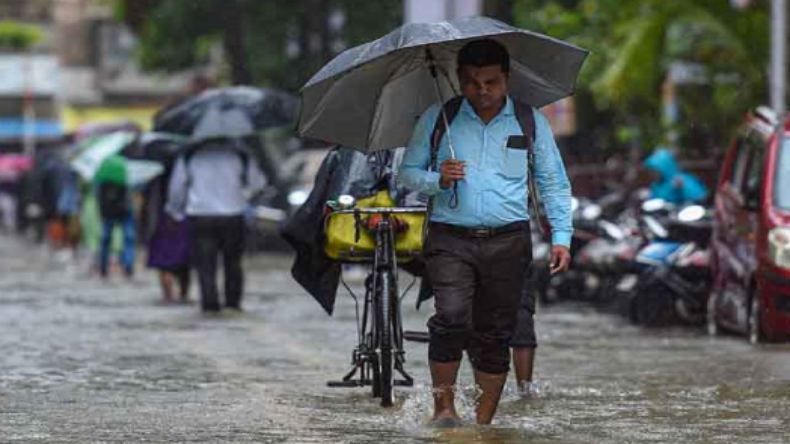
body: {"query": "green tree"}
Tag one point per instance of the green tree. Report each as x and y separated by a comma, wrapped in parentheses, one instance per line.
(264, 42)
(18, 36)
(635, 43)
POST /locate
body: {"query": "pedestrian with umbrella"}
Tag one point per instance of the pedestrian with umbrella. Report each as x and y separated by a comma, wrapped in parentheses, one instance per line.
(168, 239)
(115, 209)
(471, 155)
(213, 177)
(114, 178)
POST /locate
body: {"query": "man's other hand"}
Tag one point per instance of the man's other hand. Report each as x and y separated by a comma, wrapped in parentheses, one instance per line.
(451, 170)
(560, 259)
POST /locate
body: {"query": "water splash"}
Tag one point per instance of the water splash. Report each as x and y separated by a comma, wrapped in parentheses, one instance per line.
(418, 406)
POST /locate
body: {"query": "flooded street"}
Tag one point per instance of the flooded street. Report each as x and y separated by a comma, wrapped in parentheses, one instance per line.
(84, 361)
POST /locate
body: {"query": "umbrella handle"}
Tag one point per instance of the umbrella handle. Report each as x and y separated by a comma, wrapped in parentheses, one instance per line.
(438, 91)
(432, 67)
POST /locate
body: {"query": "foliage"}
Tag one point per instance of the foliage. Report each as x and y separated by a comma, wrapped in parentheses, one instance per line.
(277, 43)
(18, 36)
(635, 43)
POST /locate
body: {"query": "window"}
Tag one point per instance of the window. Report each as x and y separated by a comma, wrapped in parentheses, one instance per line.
(739, 165)
(782, 177)
(753, 180)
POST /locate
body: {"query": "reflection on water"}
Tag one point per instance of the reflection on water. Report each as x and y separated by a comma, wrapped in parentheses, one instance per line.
(84, 361)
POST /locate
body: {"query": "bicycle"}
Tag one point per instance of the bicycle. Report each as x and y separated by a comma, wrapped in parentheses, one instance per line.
(380, 332)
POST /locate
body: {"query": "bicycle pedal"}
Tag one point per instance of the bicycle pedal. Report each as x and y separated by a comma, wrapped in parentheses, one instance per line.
(403, 383)
(416, 336)
(340, 384)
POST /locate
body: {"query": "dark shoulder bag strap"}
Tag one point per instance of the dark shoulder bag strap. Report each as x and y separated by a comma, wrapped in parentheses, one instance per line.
(526, 119)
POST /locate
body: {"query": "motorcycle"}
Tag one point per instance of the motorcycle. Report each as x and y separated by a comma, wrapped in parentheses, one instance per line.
(670, 278)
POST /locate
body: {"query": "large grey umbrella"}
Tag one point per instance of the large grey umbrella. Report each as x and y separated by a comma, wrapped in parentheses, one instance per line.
(370, 96)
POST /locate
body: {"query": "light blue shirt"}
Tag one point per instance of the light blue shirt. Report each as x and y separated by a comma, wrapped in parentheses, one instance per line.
(494, 192)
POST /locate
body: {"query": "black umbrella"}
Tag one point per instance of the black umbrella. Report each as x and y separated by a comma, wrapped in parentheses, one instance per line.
(371, 95)
(162, 147)
(239, 111)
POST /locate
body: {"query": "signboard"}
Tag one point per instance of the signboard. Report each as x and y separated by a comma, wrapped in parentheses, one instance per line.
(21, 73)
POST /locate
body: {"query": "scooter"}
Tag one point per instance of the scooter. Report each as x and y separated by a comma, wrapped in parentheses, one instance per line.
(671, 277)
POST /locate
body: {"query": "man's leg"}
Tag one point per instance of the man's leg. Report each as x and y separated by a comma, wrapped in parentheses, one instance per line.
(524, 342)
(495, 313)
(104, 247)
(129, 245)
(232, 253)
(183, 282)
(523, 363)
(453, 281)
(205, 248)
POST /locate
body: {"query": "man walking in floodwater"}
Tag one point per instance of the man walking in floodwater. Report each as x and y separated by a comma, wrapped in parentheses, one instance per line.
(478, 247)
(208, 186)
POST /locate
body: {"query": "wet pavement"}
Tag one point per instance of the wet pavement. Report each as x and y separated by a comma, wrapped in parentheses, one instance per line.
(90, 362)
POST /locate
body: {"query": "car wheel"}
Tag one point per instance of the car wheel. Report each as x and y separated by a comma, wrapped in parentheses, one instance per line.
(755, 321)
(712, 325)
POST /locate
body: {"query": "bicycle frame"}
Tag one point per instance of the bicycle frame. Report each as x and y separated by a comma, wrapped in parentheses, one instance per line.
(380, 331)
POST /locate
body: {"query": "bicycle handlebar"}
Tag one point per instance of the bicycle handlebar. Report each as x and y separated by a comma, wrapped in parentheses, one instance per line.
(382, 210)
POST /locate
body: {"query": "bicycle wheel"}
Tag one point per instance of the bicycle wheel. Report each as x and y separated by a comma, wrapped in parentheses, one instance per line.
(385, 337)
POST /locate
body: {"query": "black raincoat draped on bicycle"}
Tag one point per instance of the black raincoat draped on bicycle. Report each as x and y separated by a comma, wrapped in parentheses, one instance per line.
(343, 171)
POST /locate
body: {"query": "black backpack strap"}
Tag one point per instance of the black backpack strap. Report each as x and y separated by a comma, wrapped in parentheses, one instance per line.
(451, 108)
(526, 120)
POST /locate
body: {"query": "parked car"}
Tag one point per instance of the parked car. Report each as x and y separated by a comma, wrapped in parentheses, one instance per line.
(751, 239)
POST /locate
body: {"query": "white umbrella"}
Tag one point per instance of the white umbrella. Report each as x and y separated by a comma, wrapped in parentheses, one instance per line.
(97, 150)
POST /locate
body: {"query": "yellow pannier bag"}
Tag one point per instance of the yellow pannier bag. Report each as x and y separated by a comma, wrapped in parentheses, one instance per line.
(341, 231)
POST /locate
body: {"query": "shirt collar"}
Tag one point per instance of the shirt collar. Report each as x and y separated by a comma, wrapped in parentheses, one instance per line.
(507, 110)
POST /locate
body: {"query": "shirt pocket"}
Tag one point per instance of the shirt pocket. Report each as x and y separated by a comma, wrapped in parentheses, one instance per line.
(514, 163)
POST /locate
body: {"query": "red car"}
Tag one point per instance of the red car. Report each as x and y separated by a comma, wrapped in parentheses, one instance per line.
(751, 234)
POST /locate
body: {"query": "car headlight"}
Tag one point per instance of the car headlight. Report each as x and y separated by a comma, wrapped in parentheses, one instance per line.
(298, 197)
(779, 247)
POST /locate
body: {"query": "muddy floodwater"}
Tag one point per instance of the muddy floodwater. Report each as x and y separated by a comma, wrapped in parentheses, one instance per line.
(82, 361)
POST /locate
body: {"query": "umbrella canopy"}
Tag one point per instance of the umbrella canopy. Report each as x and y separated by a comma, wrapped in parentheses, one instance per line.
(161, 147)
(13, 165)
(372, 95)
(97, 149)
(122, 171)
(239, 111)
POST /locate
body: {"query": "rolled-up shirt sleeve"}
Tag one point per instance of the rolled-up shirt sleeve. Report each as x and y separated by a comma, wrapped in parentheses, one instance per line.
(552, 182)
(414, 172)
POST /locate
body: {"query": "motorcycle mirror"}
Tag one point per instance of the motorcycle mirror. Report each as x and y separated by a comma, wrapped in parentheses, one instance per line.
(691, 213)
(653, 205)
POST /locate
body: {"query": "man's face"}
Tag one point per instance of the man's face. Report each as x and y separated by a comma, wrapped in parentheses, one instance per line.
(484, 87)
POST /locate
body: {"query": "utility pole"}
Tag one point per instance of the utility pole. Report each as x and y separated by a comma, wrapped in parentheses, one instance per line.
(778, 56)
(29, 107)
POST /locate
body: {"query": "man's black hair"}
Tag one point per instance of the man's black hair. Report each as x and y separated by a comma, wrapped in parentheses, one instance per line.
(484, 52)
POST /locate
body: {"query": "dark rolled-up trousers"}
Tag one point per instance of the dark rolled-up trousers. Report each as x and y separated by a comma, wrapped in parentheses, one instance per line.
(477, 283)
